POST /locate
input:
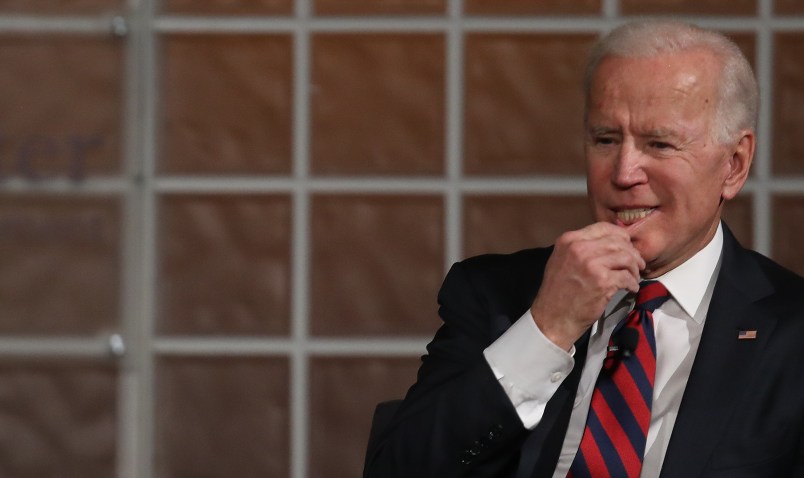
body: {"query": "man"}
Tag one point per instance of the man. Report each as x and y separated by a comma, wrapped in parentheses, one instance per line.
(514, 383)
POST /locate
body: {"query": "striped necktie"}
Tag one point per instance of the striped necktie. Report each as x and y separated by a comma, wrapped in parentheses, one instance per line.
(613, 442)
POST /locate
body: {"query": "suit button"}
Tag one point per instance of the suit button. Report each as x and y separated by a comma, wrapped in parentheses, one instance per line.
(468, 456)
(495, 432)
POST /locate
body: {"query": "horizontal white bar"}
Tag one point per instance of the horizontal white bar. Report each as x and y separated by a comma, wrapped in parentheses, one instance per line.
(521, 184)
(26, 347)
(57, 24)
(442, 23)
(89, 186)
(375, 346)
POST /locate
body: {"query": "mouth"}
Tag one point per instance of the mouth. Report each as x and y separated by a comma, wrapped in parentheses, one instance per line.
(626, 217)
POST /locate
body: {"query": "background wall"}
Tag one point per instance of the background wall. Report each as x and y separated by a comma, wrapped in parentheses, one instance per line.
(223, 223)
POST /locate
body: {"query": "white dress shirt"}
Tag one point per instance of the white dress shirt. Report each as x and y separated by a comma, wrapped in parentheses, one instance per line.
(530, 367)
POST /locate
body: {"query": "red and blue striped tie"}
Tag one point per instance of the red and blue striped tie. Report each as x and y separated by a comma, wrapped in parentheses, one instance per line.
(613, 442)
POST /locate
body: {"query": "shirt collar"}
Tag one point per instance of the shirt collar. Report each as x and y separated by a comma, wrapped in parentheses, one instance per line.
(688, 282)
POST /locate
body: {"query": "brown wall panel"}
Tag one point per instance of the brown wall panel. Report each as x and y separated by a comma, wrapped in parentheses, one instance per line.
(507, 223)
(377, 263)
(227, 104)
(788, 229)
(789, 6)
(343, 393)
(700, 7)
(224, 265)
(377, 104)
(497, 223)
(62, 106)
(738, 214)
(62, 7)
(747, 43)
(375, 7)
(363, 210)
(228, 7)
(530, 7)
(222, 416)
(788, 104)
(524, 104)
(60, 271)
(58, 418)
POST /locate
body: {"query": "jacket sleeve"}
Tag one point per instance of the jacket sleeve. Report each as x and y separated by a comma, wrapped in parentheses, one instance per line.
(456, 419)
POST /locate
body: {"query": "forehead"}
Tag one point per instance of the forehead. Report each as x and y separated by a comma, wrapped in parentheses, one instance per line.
(680, 85)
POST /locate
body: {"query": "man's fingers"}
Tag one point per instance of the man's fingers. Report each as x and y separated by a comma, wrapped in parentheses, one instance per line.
(622, 260)
(625, 280)
(607, 251)
(605, 229)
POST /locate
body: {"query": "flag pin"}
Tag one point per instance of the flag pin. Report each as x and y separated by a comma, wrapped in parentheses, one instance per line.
(747, 334)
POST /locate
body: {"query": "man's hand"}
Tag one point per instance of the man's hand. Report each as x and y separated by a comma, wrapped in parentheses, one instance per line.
(586, 269)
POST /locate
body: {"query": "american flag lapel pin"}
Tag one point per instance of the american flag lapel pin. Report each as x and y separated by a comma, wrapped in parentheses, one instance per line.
(747, 334)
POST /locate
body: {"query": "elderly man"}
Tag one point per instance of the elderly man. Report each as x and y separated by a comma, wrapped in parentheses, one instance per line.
(649, 343)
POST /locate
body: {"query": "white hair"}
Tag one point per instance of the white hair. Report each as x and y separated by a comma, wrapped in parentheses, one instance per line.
(738, 93)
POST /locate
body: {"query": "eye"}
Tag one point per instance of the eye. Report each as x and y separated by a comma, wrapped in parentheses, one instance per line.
(603, 140)
(661, 145)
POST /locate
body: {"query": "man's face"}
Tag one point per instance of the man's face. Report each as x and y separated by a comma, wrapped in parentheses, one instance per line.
(653, 166)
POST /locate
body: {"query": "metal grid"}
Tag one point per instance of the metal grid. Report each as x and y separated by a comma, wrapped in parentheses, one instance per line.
(140, 188)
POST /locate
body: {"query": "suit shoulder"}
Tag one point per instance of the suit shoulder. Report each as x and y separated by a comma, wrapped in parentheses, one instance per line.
(516, 276)
(783, 279)
(511, 265)
(493, 285)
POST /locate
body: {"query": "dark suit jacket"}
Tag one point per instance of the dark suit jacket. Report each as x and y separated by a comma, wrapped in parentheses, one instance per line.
(742, 413)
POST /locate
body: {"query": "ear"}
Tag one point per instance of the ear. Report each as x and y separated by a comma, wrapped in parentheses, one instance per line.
(739, 164)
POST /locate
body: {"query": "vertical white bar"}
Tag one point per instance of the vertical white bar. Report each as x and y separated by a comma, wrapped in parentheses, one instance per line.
(144, 363)
(453, 201)
(129, 422)
(763, 223)
(611, 9)
(299, 406)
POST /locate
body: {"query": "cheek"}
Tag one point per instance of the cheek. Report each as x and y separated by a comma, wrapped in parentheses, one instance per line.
(597, 177)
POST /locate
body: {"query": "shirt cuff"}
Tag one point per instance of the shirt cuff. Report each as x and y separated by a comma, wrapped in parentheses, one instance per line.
(529, 367)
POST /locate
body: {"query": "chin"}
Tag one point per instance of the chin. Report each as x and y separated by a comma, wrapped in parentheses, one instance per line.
(648, 254)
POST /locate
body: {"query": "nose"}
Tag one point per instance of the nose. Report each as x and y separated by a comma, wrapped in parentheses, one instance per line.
(628, 170)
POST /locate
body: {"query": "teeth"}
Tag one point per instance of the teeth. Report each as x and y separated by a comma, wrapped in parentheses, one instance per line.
(633, 215)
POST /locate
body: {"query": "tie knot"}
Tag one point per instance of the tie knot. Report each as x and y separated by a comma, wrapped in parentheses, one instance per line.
(651, 295)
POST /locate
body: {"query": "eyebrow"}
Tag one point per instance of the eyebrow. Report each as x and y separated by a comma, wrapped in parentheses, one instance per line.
(660, 133)
(598, 130)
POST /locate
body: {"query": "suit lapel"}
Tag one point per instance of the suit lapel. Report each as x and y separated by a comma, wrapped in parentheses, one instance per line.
(723, 362)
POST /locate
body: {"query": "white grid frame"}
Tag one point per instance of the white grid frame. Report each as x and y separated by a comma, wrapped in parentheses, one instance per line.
(140, 189)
